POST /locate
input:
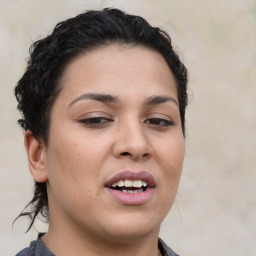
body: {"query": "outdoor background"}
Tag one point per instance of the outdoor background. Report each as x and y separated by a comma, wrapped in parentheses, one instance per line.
(215, 209)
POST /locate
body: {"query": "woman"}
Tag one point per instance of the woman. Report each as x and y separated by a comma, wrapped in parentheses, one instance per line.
(103, 105)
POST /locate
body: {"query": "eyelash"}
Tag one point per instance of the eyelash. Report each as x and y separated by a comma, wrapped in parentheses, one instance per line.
(101, 121)
(159, 122)
(95, 121)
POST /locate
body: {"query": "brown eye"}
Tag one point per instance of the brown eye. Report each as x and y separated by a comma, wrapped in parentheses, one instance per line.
(159, 122)
(95, 121)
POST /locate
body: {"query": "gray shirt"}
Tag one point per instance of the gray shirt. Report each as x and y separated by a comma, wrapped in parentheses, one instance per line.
(38, 248)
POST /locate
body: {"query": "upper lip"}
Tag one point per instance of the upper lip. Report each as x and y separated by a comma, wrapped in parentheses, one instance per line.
(131, 175)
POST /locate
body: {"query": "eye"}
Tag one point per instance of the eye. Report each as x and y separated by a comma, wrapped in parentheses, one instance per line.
(159, 122)
(96, 121)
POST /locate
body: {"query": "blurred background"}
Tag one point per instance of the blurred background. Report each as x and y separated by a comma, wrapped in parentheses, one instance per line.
(215, 209)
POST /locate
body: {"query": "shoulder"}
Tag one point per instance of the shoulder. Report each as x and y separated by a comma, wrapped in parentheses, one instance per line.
(164, 249)
(29, 251)
(36, 248)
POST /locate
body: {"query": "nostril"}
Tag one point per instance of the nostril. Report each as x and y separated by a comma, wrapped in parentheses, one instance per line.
(145, 155)
(125, 153)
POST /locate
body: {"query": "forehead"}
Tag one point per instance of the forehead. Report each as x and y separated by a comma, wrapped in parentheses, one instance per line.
(118, 69)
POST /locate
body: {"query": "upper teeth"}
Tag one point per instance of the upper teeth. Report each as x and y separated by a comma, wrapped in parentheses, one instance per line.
(130, 183)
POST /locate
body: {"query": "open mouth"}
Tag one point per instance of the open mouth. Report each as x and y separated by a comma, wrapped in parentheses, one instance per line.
(130, 186)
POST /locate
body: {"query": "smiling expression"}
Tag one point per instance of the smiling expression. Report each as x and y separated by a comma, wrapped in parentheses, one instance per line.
(116, 147)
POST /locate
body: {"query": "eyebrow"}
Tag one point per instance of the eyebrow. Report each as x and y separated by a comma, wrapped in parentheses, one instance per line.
(154, 100)
(96, 96)
(107, 98)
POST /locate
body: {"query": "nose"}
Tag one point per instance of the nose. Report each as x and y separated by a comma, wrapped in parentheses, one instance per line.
(132, 142)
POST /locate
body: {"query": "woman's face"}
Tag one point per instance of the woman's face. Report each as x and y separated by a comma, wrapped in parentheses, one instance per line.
(116, 147)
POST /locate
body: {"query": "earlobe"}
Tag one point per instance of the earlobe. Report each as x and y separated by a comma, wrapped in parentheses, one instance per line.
(36, 155)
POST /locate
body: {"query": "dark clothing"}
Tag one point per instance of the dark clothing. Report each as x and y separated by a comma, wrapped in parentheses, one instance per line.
(164, 249)
(37, 248)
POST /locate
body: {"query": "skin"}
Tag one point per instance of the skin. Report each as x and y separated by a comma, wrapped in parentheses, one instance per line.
(80, 157)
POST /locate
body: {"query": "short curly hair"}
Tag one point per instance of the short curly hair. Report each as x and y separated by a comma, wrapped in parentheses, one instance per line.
(39, 86)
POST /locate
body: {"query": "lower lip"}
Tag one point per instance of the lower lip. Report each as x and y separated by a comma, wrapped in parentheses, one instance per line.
(131, 198)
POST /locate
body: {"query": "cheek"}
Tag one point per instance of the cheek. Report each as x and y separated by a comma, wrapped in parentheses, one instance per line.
(171, 156)
(172, 152)
(73, 172)
(77, 159)
(68, 161)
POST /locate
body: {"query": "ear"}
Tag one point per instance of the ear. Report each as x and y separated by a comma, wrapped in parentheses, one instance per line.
(36, 154)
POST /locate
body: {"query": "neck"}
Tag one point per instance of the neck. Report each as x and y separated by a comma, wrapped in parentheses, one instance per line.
(69, 241)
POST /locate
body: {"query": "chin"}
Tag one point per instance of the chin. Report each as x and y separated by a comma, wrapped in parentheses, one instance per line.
(130, 235)
(131, 227)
